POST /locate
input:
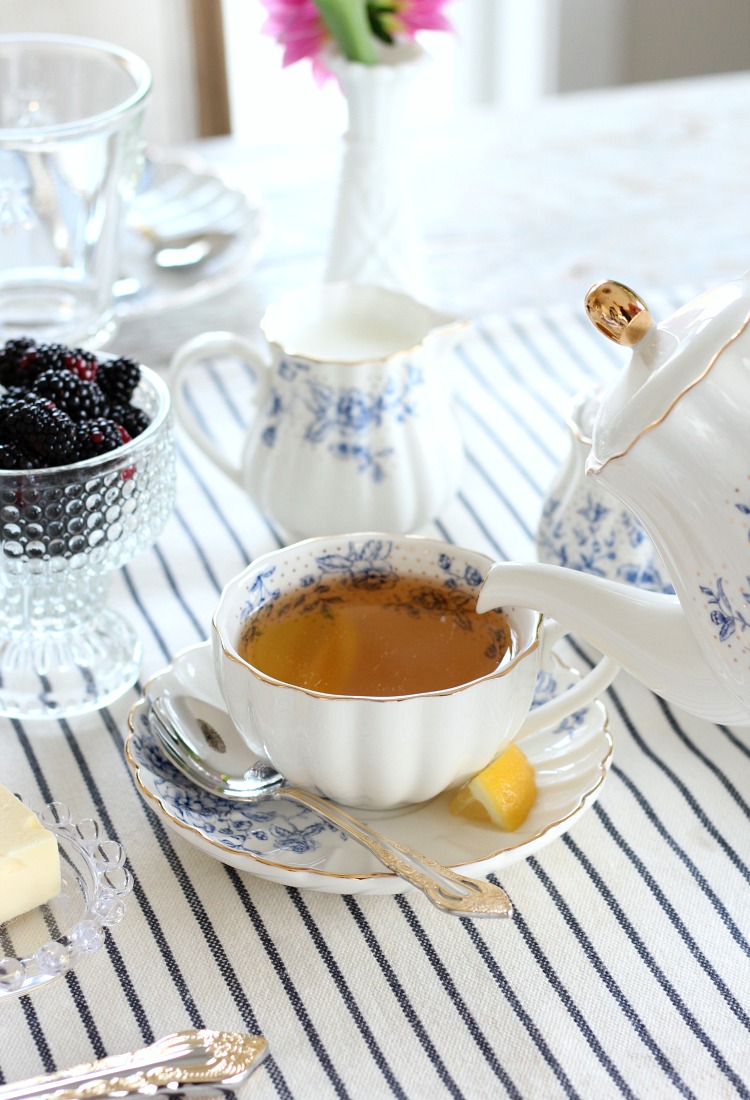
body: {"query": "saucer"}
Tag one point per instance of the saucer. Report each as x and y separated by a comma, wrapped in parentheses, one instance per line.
(176, 197)
(277, 839)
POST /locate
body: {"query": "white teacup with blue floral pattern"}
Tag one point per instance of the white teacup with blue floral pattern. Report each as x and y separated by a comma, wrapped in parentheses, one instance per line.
(383, 752)
(352, 424)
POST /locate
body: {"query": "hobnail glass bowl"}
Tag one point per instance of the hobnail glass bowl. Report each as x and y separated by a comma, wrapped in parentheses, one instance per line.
(62, 531)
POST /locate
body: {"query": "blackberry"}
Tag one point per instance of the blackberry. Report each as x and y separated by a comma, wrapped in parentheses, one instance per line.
(51, 356)
(13, 457)
(81, 362)
(96, 437)
(133, 420)
(19, 364)
(38, 427)
(79, 399)
(117, 378)
(62, 405)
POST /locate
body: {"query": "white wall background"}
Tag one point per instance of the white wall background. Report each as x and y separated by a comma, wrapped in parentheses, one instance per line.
(157, 30)
(505, 51)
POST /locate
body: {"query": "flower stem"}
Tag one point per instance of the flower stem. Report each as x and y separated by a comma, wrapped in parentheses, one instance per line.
(348, 23)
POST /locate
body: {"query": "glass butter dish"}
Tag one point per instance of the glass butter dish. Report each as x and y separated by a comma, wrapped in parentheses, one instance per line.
(43, 944)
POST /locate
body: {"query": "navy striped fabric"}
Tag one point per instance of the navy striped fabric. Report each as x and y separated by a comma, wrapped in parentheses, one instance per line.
(626, 969)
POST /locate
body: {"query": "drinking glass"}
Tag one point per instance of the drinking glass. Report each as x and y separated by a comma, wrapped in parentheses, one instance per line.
(71, 153)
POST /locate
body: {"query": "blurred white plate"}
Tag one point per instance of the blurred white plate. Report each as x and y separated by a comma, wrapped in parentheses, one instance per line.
(178, 197)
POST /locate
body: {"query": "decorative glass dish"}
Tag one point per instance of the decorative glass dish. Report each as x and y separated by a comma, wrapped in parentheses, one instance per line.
(63, 530)
(39, 946)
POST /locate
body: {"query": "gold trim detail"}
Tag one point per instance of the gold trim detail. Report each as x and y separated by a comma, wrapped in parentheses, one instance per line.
(597, 466)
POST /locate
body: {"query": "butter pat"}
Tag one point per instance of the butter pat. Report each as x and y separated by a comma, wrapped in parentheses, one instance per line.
(29, 861)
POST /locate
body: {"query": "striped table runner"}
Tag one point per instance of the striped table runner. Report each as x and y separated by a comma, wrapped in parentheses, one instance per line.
(626, 970)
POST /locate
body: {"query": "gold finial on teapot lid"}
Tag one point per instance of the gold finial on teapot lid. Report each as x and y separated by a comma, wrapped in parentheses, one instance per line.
(618, 312)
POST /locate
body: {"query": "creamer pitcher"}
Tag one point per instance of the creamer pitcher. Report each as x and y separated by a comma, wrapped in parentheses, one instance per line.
(353, 426)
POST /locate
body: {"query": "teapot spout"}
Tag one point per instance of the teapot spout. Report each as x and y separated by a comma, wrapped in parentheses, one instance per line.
(646, 633)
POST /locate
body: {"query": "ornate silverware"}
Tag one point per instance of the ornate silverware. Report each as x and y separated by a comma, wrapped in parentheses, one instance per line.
(186, 1059)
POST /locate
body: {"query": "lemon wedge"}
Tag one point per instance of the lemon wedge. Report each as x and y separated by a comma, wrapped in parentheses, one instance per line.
(503, 792)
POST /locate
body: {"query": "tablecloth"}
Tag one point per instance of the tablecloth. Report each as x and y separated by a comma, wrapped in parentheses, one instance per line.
(625, 970)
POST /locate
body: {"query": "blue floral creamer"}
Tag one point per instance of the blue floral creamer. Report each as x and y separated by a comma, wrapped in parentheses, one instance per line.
(353, 425)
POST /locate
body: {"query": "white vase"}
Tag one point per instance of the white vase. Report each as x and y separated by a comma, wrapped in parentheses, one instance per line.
(376, 238)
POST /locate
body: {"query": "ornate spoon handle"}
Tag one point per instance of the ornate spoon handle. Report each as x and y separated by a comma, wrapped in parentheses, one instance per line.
(447, 889)
(212, 1059)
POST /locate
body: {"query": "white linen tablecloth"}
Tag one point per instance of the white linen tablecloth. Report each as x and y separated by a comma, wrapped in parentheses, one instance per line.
(626, 969)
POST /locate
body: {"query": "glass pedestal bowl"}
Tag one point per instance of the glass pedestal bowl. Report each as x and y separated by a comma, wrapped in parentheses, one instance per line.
(62, 531)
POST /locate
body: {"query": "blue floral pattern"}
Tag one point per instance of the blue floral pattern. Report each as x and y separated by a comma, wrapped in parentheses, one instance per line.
(259, 828)
(261, 591)
(277, 829)
(602, 539)
(548, 687)
(370, 562)
(729, 621)
(724, 613)
(745, 510)
(370, 565)
(469, 575)
(342, 419)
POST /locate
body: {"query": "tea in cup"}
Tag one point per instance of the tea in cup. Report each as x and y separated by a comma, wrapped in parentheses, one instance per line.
(359, 666)
(351, 424)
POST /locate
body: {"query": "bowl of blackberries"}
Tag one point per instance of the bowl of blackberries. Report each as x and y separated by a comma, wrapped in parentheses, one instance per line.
(87, 481)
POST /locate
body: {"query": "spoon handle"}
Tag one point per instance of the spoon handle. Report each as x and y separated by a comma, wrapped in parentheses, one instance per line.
(450, 891)
(188, 1059)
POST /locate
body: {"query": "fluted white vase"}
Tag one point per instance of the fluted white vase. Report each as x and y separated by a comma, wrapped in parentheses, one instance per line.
(376, 238)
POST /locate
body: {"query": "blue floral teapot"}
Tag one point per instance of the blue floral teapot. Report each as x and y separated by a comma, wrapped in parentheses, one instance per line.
(670, 442)
(584, 527)
(353, 425)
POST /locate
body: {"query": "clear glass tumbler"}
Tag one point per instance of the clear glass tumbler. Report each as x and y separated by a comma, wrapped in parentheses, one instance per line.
(62, 531)
(71, 153)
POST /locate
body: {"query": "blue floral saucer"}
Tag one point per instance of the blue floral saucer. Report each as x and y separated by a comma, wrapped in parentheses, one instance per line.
(279, 840)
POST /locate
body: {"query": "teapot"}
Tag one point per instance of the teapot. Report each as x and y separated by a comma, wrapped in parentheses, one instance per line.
(583, 527)
(670, 442)
(352, 426)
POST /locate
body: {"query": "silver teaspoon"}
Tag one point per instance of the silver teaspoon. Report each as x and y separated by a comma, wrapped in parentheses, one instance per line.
(202, 742)
(183, 250)
(189, 250)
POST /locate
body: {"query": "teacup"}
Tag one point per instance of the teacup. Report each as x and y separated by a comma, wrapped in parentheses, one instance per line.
(353, 424)
(382, 751)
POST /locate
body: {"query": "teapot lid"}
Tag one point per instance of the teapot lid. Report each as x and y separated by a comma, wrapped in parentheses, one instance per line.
(668, 359)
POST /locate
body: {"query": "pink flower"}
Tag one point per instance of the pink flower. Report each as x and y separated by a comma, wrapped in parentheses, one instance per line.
(406, 18)
(305, 27)
(297, 26)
